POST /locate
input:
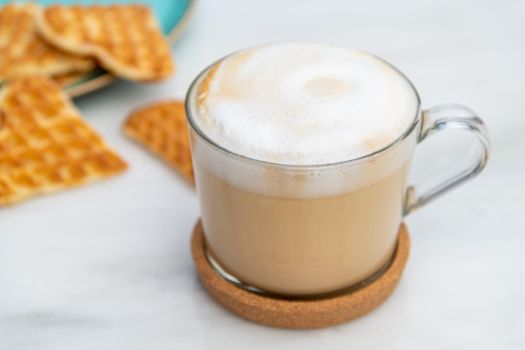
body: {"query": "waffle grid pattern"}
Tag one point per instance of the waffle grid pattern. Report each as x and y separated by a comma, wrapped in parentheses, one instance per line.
(45, 145)
(162, 128)
(126, 39)
(23, 52)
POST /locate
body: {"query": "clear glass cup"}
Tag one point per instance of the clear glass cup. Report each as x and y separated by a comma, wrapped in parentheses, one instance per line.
(310, 230)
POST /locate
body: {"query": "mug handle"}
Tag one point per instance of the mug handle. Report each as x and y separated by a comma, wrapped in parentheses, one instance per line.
(441, 118)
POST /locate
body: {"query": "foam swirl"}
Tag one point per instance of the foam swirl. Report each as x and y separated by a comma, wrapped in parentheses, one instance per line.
(304, 104)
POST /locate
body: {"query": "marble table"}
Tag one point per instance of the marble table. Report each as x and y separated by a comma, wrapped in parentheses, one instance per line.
(108, 266)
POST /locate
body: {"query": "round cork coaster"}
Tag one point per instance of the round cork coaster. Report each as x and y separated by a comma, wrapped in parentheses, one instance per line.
(299, 313)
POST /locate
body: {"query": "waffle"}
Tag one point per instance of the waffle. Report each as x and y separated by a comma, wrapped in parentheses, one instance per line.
(161, 127)
(23, 52)
(45, 145)
(126, 39)
(69, 78)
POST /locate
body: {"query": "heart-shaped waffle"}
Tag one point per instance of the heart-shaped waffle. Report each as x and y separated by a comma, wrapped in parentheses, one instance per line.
(126, 39)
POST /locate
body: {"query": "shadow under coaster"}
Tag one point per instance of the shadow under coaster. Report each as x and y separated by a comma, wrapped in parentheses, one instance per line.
(300, 313)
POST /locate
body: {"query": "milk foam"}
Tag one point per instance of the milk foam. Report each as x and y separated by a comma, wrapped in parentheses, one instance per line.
(304, 104)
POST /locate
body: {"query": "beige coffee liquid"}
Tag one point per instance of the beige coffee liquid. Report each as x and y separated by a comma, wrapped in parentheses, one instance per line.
(301, 246)
(275, 215)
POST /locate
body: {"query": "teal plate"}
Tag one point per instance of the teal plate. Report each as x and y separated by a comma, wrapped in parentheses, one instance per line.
(173, 17)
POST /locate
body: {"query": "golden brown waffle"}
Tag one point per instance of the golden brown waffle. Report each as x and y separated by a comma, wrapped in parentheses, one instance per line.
(126, 39)
(69, 78)
(162, 128)
(45, 145)
(23, 52)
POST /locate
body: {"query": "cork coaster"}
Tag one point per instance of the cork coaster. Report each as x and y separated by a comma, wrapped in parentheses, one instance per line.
(299, 313)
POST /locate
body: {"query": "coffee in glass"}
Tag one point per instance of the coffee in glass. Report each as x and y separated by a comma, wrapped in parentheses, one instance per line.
(301, 154)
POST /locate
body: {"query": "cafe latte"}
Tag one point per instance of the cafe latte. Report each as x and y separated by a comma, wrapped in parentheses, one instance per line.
(296, 198)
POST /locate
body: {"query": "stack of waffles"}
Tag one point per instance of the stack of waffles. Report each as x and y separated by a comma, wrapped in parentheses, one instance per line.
(66, 42)
(45, 144)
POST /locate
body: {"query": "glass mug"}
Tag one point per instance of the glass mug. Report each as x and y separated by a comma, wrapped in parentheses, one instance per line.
(267, 229)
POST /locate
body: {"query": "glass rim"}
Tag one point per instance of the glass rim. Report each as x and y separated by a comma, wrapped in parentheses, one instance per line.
(189, 108)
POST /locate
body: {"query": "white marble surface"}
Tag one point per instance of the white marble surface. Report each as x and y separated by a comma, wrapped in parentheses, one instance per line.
(108, 266)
